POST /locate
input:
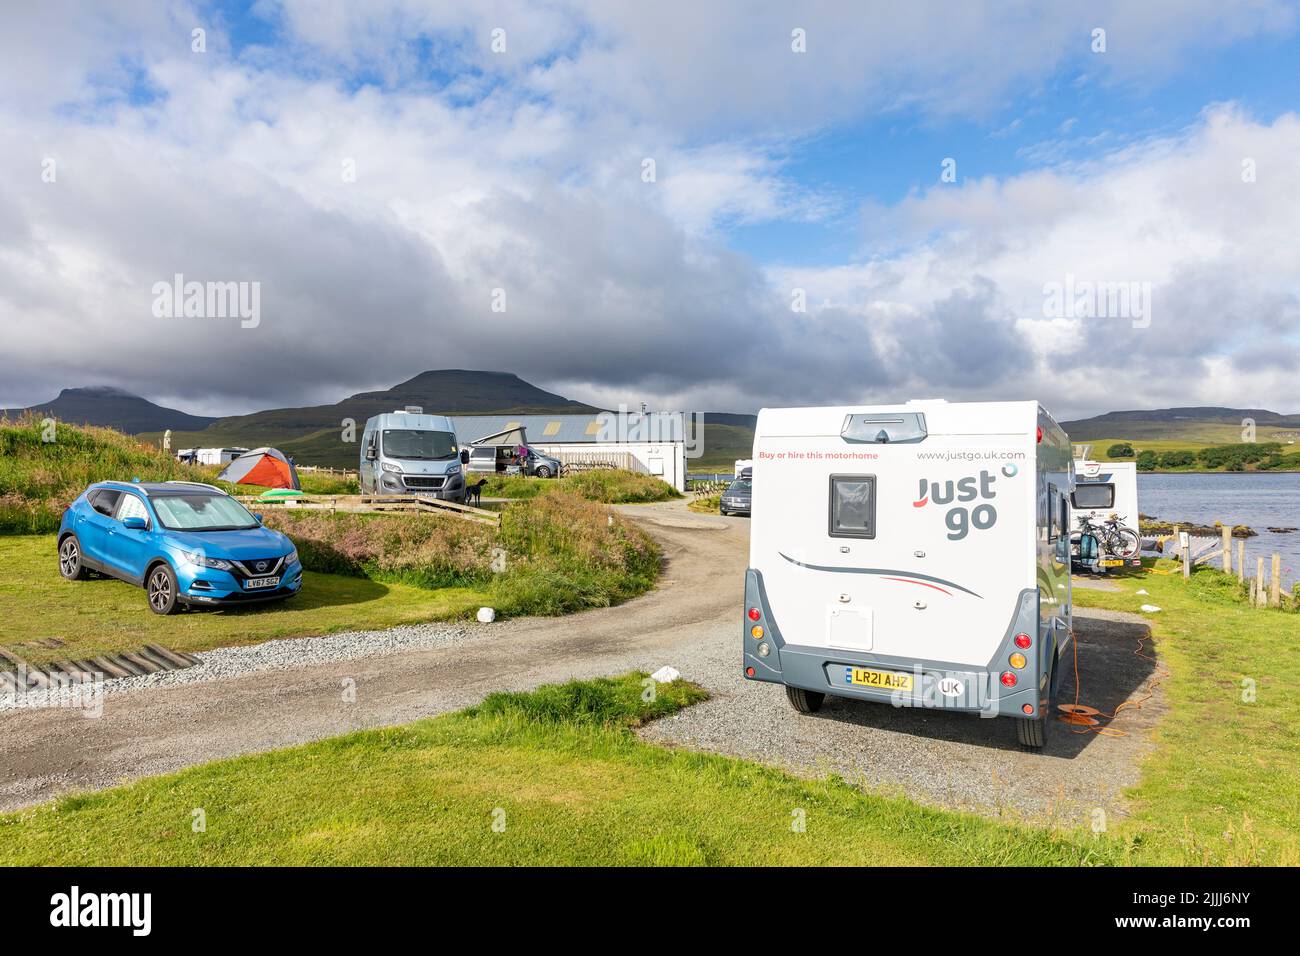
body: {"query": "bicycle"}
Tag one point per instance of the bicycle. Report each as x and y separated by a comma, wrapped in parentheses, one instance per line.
(1111, 536)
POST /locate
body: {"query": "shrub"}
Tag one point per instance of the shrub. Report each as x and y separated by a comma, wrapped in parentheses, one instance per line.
(1120, 450)
(552, 555)
(1147, 461)
(1177, 459)
(609, 486)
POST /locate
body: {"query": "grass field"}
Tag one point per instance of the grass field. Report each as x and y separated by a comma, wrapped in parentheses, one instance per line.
(103, 615)
(611, 486)
(550, 777)
(1222, 786)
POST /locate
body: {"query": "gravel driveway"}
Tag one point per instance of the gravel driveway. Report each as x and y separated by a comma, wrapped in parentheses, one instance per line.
(954, 760)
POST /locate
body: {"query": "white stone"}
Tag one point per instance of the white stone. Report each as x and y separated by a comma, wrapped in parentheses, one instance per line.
(1149, 608)
(486, 615)
(665, 675)
(1141, 591)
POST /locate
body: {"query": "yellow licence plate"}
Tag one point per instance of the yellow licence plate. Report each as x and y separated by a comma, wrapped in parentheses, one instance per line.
(885, 680)
(1111, 562)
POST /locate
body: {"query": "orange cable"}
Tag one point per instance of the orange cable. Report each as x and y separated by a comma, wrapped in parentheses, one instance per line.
(1081, 715)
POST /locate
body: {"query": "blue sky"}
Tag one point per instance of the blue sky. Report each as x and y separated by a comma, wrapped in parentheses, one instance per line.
(383, 173)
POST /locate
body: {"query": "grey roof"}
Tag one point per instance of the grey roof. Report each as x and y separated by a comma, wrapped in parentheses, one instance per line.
(573, 429)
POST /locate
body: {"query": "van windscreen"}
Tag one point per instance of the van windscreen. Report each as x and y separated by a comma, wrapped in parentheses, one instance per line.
(1093, 496)
(415, 444)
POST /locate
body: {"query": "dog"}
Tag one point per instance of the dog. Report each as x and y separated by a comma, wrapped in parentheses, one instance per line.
(474, 492)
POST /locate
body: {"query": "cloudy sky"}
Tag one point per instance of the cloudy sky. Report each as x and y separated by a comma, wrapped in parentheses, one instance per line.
(714, 205)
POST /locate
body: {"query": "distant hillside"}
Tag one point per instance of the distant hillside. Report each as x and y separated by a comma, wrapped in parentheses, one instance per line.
(1187, 426)
(313, 434)
(112, 408)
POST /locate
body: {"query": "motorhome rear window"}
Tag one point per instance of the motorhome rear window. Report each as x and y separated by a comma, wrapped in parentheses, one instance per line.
(1093, 496)
(853, 506)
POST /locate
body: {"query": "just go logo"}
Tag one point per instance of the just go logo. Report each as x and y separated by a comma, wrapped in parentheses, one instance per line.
(961, 518)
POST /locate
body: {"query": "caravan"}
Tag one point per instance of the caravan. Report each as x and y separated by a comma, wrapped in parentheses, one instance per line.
(915, 555)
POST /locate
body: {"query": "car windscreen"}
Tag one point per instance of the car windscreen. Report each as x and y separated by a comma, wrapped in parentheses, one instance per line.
(739, 488)
(199, 512)
(418, 444)
(1094, 496)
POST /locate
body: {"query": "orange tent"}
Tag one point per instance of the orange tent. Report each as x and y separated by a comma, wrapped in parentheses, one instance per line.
(262, 466)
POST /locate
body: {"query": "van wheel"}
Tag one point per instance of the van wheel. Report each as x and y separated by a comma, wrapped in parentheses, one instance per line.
(161, 588)
(70, 565)
(1032, 731)
(804, 701)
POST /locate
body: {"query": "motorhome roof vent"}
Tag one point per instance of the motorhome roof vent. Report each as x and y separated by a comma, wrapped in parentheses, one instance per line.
(884, 428)
(411, 410)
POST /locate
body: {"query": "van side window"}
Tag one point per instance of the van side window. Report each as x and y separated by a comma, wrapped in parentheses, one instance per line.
(853, 506)
(1053, 513)
(1065, 514)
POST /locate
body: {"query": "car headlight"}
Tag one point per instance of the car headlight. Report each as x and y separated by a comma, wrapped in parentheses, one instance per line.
(453, 470)
(202, 561)
(389, 466)
(291, 558)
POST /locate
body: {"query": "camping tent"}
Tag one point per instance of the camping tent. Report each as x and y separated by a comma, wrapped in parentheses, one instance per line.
(262, 466)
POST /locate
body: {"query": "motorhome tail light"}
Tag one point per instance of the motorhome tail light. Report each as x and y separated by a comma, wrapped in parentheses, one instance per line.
(1028, 708)
(1040, 434)
(756, 631)
(755, 614)
(1017, 660)
(1023, 641)
(749, 672)
(1008, 679)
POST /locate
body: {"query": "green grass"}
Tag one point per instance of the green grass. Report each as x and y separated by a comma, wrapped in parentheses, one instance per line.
(39, 479)
(1222, 786)
(102, 615)
(609, 486)
(557, 771)
(707, 504)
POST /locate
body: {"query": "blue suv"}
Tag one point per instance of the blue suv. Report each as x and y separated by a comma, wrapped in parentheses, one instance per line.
(184, 543)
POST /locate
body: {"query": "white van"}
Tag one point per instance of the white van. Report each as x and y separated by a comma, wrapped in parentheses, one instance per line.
(1105, 498)
(913, 554)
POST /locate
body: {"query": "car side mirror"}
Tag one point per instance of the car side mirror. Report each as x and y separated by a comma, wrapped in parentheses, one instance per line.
(464, 456)
(258, 516)
(135, 523)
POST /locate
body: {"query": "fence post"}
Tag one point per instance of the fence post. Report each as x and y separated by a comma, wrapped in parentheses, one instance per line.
(1241, 559)
(1227, 549)
(1275, 584)
(1261, 596)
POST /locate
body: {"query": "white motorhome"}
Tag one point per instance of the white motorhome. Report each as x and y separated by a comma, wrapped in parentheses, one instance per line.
(409, 452)
(1105, 491)
(912, 554)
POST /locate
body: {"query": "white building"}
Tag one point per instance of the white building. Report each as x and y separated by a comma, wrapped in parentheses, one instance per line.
(653, 443)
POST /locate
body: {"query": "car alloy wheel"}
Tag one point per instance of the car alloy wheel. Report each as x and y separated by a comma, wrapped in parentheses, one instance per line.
(162, 590)
(543, 472)
(70, 558)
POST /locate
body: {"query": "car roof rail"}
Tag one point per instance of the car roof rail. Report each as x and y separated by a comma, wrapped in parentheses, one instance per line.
(198, 483)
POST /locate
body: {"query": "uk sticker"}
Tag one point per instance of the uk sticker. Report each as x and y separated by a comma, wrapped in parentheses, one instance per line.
(951, 687)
